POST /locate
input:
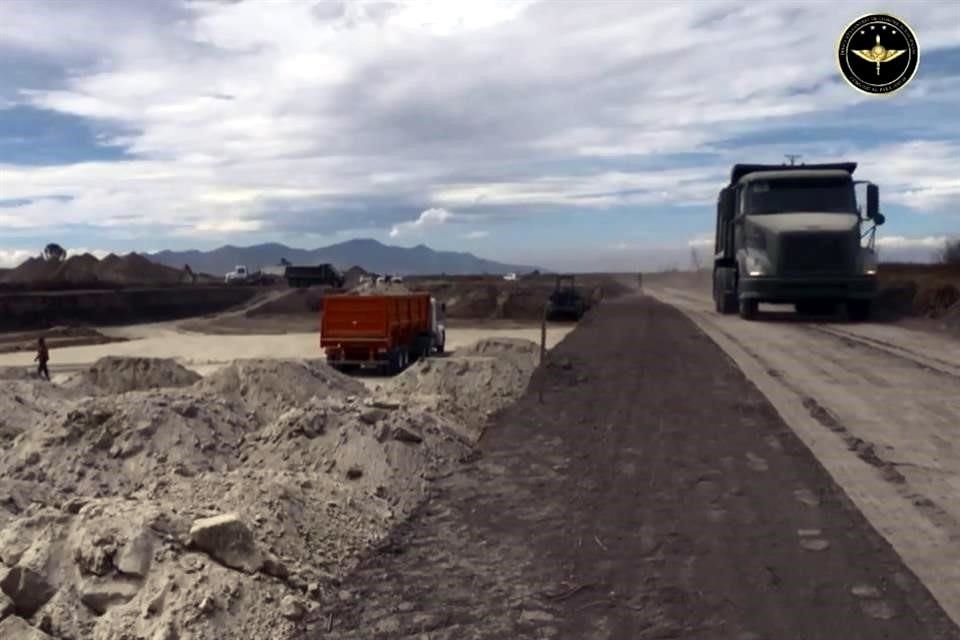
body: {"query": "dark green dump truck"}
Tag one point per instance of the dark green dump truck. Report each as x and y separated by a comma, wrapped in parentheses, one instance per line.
(794, 234)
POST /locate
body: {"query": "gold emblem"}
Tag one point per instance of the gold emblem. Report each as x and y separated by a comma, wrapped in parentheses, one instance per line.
(879, 54)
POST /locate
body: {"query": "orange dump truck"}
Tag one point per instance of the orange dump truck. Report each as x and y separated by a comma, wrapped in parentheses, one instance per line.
(385, 332)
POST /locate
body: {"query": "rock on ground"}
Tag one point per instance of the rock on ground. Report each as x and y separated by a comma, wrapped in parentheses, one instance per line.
(227, 539)
(14, 628)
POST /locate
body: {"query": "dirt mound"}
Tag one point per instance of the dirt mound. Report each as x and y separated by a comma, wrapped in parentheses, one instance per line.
(268, 388)
(307, 300)
(134, 268)
(113, 375)
(473, 384)
(87, 271)
(935, 301)
(291, 469)
(385, 289)
(24, 400)
(352, 277)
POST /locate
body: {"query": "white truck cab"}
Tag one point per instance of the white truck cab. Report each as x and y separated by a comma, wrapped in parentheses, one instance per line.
(239, 274)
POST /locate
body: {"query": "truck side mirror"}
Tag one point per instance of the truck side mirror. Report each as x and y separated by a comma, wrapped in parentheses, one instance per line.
(873, 201)
(879, 219)
(725, 204)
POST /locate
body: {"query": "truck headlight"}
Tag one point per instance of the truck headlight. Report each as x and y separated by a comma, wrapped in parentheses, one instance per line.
(755, 266)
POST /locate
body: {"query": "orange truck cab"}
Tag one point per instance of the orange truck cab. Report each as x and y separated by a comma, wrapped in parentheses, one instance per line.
(385, 332)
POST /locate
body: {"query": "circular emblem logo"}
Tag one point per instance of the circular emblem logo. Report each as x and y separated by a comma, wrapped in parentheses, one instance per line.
(878, 54)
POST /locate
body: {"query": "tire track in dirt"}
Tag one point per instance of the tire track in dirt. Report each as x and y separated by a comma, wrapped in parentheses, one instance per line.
(910, 514)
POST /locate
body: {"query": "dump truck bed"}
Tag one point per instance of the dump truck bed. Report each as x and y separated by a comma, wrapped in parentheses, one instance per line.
(358, 329)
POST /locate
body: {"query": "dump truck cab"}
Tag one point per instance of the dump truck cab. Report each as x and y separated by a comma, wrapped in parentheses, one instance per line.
(794, 235)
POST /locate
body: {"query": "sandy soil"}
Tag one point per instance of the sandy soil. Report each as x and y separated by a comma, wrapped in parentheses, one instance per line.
(879, 405)
(625, 506)
(207, 353)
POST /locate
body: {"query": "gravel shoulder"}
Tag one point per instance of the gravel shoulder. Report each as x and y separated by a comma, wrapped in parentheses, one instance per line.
(653, 493)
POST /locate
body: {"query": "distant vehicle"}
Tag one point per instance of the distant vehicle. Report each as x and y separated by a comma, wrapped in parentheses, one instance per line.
(396, 279)
(309, 276)
(385, 332)
(566, 301)
(510, 277)
(241, 275)
(792, 234)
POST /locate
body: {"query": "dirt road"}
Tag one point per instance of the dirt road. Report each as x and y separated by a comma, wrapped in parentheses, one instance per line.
(880, 407)
(654, 493)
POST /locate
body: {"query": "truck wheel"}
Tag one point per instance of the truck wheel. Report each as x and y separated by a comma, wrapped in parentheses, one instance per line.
(725, 290)
(748, 309)
(859, 310)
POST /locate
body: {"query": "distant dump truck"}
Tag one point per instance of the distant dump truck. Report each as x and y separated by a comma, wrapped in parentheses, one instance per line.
(792, 234)
(385, 332)
(309, 276)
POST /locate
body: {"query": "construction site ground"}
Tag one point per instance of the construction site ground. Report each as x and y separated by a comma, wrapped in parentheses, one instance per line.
(206, 353)
(655, 492)
(667, 473)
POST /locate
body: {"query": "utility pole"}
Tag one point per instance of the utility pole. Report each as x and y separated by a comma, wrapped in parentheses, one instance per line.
(792, 157)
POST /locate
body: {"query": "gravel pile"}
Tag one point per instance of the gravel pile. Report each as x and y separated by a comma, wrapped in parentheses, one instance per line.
(223, 508)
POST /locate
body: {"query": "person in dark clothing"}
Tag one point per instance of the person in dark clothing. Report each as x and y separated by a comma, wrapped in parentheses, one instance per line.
(43, 355)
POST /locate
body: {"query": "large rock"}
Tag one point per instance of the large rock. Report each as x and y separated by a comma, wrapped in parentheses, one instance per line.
(28, 589)
(228, 540)
(6, 605)
(14, 628)
(100, 595)
(135, 557)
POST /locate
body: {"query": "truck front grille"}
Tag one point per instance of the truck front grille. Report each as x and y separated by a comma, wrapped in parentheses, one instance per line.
(809, 253)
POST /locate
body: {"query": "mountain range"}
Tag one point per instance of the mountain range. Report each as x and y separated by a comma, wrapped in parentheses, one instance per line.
(370, 254)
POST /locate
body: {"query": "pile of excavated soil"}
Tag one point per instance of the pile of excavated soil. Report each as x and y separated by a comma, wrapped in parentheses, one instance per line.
(113, 375)
(87, 271)
(306, 300)
(474, 383)
(224, 509)
(352, 276)
(516, 300)
(374, 289)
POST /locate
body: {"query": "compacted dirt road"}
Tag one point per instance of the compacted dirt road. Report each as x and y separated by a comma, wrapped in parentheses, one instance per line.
(652, 493)
(879, 405)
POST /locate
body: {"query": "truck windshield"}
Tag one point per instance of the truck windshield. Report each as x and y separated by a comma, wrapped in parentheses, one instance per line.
(809, 195)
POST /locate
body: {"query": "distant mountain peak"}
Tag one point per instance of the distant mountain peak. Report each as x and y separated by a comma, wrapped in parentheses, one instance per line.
(368, 253)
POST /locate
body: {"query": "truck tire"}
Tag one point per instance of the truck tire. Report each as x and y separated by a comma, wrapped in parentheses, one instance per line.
(748, 308)
(859, 310)
(725, 290)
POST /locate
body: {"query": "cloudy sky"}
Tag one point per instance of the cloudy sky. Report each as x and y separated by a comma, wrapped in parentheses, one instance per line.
(587, 135)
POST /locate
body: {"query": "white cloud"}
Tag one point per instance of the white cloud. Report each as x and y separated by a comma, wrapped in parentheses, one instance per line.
(430, 218)
(10, 258)
(235, 113)
(478, 234)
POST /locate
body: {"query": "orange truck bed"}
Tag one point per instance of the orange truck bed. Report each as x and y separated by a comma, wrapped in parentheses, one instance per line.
(374, 330)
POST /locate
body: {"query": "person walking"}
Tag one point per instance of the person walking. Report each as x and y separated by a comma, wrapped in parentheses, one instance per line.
(43, 356)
